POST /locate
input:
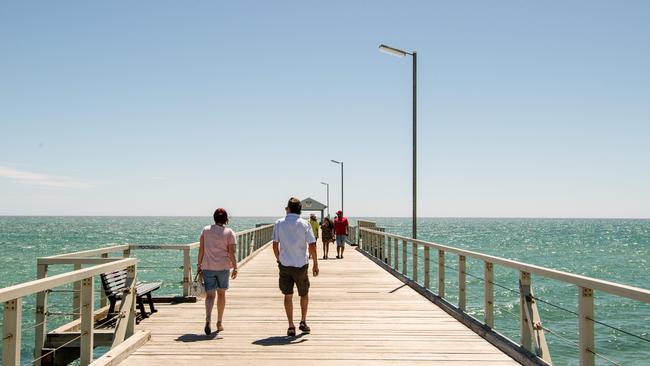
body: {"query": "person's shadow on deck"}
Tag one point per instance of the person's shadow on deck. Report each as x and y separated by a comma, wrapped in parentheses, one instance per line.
(280, 340)
(197, 337)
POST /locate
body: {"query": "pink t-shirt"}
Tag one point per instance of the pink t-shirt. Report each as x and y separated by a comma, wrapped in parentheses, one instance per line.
(216, 240)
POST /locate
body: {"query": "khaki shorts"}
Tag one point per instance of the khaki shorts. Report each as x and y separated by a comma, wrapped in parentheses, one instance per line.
(294, 275)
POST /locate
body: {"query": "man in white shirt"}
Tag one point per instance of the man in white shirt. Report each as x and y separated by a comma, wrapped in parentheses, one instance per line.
(290, 238)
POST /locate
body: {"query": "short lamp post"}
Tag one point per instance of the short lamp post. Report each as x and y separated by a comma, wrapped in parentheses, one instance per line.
(399, 53)
(341, 164)
(328, 197)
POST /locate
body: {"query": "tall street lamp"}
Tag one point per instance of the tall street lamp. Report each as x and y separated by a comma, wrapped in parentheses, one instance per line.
(399, 53)
(328, 197)
(341, 164)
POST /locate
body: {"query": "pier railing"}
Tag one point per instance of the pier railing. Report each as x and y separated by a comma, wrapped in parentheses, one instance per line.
(392, 250)
(80, 334)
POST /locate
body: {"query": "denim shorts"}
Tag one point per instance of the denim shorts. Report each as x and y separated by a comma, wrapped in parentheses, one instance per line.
(216, 280)
(340, 240)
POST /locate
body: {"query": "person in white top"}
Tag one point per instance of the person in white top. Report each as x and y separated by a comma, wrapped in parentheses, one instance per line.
(291, 237)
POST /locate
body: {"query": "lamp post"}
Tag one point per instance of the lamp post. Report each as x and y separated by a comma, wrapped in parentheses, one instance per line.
(328, 197)
(341, 164)
(399, 53)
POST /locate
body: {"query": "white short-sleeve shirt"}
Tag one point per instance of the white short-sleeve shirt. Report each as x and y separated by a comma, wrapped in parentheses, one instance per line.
(293, 234)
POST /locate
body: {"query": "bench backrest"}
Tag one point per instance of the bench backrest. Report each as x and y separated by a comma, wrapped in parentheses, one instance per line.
(114, 282)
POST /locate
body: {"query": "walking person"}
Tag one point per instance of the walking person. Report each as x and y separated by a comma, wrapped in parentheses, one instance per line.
(327, 229)
(342, 229)
(215, 261)
(291, 237)
(314, 225)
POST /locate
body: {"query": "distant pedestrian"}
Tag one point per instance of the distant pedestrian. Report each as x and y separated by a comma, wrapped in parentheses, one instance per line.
(313, 221)
(291, 235)
(341, 228)
(216, 259)
(327, 229)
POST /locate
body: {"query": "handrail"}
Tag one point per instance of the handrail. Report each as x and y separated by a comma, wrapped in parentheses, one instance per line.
(36, 286)
(98, 260)
(631, 292)
(384, 247)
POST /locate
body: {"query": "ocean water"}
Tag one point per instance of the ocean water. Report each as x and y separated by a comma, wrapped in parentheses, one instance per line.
(614, 250)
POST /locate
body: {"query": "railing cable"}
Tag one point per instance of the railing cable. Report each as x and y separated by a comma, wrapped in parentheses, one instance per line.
(52, 351)
(604, 358)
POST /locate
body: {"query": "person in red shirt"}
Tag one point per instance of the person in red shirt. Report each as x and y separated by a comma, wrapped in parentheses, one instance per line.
(341, 229)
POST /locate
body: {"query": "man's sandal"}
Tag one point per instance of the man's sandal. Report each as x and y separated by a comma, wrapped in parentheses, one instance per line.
(291, 332)
(304, 327)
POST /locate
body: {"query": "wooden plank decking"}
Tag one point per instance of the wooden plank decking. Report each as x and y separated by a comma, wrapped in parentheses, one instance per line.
(359, 315)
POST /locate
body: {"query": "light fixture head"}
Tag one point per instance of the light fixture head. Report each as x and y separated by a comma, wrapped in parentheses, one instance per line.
(327, 184)
(334, 161)
(392, 51)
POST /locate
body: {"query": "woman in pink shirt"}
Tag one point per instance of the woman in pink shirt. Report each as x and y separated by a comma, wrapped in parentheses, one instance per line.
(216, 259)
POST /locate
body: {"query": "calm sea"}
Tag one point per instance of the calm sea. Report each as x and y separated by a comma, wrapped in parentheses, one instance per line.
(614, 250)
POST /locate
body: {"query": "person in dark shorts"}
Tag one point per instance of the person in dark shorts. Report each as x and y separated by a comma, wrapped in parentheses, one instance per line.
(342, 229)
(291, 237)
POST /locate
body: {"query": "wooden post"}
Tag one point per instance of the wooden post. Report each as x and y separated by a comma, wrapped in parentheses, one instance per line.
(126, 253)
(102, 296)
(586, 326)
(12, 332)
(524, 328)
(404, 257)
(489, 295)
(126, 316)
(427, 270)
(87, 321)
(414, 261)
(441, 273)
(382, 247)
(187, 271)
(251, 243)
(76, 296)
(396, 256)
(40, 320)
(389, 252)
(534, 331)
(462, 282)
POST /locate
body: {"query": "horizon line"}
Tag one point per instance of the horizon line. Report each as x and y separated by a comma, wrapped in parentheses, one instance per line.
(362, 216)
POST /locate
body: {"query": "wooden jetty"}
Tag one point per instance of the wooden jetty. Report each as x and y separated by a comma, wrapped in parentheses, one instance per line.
(359, 315)
(378, 305)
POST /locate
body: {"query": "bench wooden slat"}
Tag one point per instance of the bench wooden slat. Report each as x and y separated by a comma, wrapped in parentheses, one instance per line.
(114, 284)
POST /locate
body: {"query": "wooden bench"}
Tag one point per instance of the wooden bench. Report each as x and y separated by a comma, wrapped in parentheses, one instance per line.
(114, 284)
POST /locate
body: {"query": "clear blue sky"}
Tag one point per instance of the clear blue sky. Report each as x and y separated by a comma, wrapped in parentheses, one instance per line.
(526, 109)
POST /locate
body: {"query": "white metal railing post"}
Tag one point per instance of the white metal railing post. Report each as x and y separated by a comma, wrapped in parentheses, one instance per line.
(441, 273)
(87, 321)
(40, 318)
(103, 301)
(414, 261)
(187, 271)
(586, 326)
(489, 294)
(404, 257)
(427, 270)
(11, 332)
(76, 296)
(389, 250)
(462, 282)
(396, 254)
(524, 328)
